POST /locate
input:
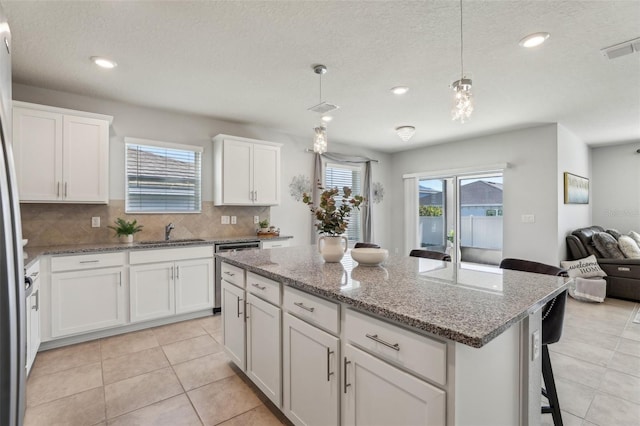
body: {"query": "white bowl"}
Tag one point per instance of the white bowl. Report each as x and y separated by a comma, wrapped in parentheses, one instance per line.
(369, 256)
(24, 242)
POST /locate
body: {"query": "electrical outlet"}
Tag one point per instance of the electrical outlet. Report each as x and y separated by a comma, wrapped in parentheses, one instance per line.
(95, 222)
(528, 218)
(234, 220)
(225, 220)
(256, 219)
(535, 345)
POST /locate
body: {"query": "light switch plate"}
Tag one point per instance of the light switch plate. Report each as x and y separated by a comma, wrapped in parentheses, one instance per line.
(234, 220)
(225, 220)
(528, 218)
(95, 222)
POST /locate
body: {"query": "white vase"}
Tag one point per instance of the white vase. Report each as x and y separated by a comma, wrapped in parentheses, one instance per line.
(127, 238)
(331, 248)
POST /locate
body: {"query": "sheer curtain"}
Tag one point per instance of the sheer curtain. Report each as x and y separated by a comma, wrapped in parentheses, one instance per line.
(367, 219)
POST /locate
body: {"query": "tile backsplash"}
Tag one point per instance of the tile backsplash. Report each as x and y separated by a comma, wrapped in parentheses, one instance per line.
(56, 224)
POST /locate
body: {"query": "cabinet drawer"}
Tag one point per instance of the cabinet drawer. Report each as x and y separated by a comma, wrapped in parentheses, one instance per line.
(169, 255)
(232, 274)
(87, 261)
(33, 271)
(264, 288)
(422, 355)
(274, 244)
(321, 312)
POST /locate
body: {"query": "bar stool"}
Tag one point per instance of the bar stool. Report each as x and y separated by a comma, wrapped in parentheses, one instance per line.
(366, 245)
(428, 254)
(552, 320)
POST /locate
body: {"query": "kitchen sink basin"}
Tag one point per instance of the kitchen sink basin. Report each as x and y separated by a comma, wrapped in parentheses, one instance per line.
(185, 240)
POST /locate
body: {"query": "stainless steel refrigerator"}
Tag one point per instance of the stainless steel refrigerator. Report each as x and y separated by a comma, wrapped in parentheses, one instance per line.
(12, 292)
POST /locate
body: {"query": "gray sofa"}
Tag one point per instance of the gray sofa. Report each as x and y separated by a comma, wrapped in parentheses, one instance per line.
(623, 275)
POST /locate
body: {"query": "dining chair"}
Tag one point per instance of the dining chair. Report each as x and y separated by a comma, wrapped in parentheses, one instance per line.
(552, 320)
(428, 254)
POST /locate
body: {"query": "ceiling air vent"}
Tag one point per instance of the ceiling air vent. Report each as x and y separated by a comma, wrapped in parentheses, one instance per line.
(622, 49)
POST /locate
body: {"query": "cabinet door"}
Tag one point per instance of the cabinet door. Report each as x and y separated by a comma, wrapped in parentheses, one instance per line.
(233, 325)
(86, 300)
(151, 290)
(266, 174)
(263, 347)
(194, 285)
(33, 318)
(237, 174)
(311, 379)
(86, 160)
(376, 393)
(37, 143)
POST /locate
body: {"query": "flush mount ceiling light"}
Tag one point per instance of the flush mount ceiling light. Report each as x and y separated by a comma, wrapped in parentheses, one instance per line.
(103, 62)
(320, 131)
(463, 98)
(399, 90)
(533, 40)
(405, 132)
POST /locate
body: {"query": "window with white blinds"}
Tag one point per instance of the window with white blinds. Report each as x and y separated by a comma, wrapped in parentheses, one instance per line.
(163, 177)
(338, 175)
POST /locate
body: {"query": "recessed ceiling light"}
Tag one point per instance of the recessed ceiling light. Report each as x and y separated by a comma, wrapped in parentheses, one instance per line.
(399, 90)
(103, 62)
(327, 118)
(533, 40)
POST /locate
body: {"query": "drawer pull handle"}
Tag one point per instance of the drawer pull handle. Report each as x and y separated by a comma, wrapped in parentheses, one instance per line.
(229, 273)
(394, 346)
(90, 261)
(346, 385)
(238, 306)
(259, 287)
(34, 275)
(301, 305)
(623, 269)
(329, 372)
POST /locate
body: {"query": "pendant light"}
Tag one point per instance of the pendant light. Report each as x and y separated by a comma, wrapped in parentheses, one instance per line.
(462, 98)
(320, 131)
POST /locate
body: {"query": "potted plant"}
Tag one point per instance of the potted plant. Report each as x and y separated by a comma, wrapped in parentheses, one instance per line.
(264, 225)
(126, 229)
(333, 220)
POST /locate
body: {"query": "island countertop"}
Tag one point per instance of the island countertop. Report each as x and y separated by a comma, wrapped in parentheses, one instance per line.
(466, 303)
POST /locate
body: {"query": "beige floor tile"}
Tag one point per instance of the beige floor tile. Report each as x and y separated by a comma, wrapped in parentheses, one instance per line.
(84, 408)
(632, 332)
(140, 391)
(65, 383)
(602, 326)
(583, 351)
(574, 397)
(602, 312)
(607, 410)
(202, 371)
(190, 349)
(584, 335)
(629, 347)
(622, 385)
(576, 370)
(217, 335)
(55, 360)
(568, 419)
(128, 343)
(133, 364)
(178, 331)
(625, 363)
(176, 411)
(259, 416)
(211, 324)
(223, 400)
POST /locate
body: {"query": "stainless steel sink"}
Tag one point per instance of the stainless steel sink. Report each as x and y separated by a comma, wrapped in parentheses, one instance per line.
(184, 240)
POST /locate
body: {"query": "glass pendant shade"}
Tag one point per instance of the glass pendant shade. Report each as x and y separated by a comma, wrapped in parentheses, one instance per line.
(462, 100)
(320, 139)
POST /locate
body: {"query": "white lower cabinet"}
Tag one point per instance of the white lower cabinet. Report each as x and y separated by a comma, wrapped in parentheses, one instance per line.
(311, 374)
(264, 365)
(233, 324)
(151, 293)
(376, 393)
(194, 285)
(32, 315)
(87, 300)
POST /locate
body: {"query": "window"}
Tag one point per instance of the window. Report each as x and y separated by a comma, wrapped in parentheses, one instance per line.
(338, 175)
(162, 177)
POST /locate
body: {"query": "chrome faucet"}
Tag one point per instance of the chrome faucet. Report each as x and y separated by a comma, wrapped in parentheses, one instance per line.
(167, 231)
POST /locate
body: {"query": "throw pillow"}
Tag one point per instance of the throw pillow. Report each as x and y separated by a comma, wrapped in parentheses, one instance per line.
(635, 236)
(614, 233)
(607, 246)
(585, 268)
(629, 247)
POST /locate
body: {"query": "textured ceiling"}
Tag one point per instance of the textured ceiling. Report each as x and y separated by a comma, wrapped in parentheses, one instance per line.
(250, 62)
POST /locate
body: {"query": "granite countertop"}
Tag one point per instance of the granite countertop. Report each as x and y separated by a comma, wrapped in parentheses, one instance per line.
(32, 253)
(464, 303)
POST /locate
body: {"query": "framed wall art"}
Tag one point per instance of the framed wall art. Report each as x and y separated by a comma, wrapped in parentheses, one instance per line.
(576, 189)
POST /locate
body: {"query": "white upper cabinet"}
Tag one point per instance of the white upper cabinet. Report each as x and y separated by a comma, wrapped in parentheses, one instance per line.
(246, 172)
(61, 155)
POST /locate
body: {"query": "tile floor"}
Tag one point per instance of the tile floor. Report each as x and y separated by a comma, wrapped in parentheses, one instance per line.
(179, 375)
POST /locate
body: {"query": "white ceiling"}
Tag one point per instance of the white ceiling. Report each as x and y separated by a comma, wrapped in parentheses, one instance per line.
(251, 62)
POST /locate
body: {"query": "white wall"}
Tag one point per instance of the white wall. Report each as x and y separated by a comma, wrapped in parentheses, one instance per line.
(530, 184)
(616, 187)
(573, 157)
(292, 217)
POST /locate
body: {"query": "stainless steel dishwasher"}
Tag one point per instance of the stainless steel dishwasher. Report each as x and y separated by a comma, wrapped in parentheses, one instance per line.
(220, 248)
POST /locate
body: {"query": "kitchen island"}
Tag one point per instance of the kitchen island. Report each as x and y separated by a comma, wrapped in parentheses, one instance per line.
(469, 335)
